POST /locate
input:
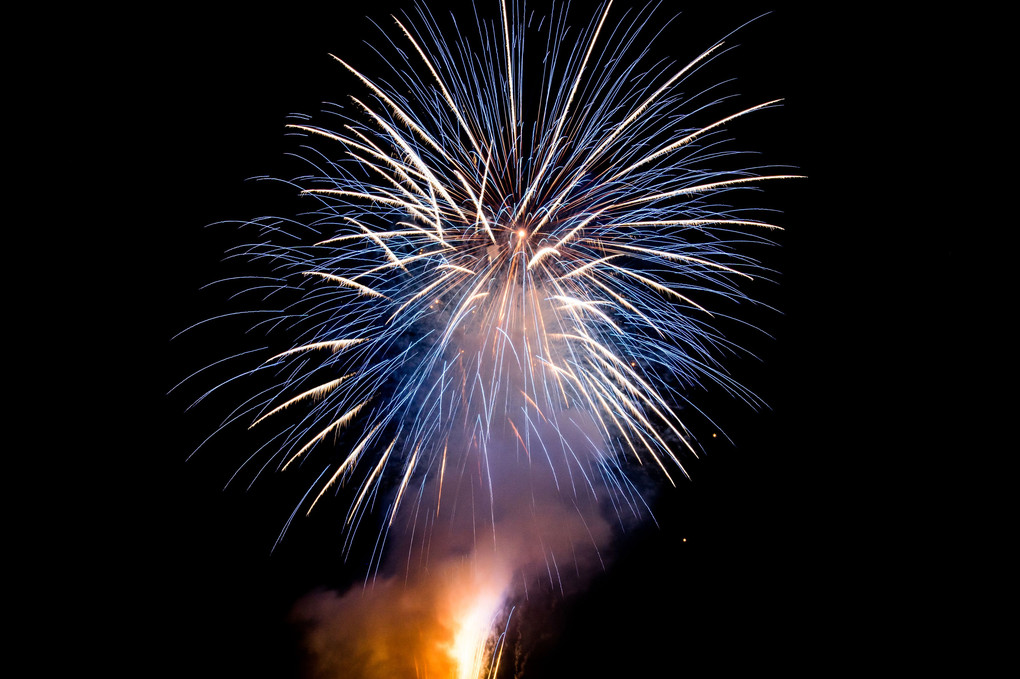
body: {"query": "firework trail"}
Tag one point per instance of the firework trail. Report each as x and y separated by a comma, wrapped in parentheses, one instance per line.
(495, 309)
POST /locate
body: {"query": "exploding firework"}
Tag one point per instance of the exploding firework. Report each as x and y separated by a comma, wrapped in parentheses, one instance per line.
(499, 301)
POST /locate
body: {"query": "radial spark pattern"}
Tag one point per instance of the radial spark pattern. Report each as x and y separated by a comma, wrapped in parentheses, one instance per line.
(516, 249)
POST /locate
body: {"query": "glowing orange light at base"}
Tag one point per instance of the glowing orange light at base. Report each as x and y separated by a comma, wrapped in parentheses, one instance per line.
(471, 639)
(444, 624)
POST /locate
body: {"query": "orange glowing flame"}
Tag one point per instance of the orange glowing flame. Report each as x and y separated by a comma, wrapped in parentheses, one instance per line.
(472, 631)
(469, 609)
(446, 623)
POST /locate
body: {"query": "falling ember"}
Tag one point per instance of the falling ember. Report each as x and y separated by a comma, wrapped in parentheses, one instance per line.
(505, 293)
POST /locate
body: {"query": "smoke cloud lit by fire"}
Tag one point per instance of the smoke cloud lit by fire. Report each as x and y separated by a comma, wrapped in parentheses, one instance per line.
(496, 525)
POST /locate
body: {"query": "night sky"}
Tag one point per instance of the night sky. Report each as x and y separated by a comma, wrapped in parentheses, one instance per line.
(756, 563)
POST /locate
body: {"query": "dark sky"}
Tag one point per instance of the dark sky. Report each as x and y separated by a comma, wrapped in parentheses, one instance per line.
(755, 561)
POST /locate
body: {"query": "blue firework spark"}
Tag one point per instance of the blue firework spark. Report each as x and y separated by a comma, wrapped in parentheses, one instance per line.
(512, 261)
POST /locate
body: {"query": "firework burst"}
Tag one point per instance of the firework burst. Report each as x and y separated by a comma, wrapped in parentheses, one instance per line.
(508, 283)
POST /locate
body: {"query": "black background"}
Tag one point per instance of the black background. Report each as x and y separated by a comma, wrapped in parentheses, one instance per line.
(765, 561)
